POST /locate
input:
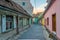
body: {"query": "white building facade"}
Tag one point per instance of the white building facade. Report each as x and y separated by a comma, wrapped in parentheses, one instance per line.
(13, 16)
(26, 5)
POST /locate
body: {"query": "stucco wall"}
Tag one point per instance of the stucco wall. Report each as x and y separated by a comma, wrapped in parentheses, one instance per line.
(24, 21)
(42, 21)
(20, 22)
(28, 7)
(49, 15)
(14, 18)
(55, 8)
(58, 17)
(3, 23)
(30, 21)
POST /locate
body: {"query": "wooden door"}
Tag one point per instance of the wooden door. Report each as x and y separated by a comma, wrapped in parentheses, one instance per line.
(54, 22)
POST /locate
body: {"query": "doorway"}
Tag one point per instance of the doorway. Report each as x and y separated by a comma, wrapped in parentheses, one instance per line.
(9, 22)
(54, 22)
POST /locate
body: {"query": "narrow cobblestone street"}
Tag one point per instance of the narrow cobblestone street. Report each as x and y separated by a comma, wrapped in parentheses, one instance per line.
(35, 32)
(29, 20)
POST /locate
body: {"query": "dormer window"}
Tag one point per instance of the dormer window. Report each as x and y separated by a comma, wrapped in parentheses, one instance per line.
(23, 3)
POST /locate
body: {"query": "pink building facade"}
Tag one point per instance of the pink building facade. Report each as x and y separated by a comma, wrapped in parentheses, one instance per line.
(54, 9)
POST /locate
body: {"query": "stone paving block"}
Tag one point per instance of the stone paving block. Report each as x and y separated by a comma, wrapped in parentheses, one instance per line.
(34, 32)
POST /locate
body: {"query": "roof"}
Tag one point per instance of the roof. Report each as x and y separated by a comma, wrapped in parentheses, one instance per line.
(48, 6)
(13, 5)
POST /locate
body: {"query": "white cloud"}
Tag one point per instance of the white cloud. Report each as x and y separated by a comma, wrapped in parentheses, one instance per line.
(41, 8)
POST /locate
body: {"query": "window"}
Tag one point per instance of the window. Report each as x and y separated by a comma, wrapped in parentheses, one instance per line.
(9, 22)
(47, 21)
(20, 18)
(23, 3)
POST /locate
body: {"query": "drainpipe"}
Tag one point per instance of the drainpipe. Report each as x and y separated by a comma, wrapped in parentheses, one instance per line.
(17, 29)
(29, 22)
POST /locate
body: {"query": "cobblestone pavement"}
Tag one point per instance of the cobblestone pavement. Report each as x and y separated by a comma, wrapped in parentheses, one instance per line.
(35, 32)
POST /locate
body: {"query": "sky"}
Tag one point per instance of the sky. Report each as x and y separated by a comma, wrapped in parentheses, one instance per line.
(40, 5)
